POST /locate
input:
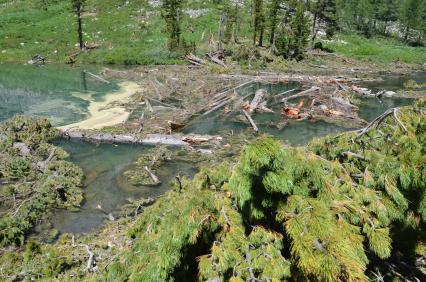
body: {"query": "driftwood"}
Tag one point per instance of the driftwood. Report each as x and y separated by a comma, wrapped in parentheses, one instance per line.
(303, 93)
(44, 165)
(91, 260)
(361, 91)
(216, 60)
(258, 97)
(150, 139)
(152, 175)
(248, 117)
(283, 93)
(377, 121)
(191, 58)
(97, 77)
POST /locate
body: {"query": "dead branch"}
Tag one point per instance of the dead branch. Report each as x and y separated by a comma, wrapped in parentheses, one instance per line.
(250, 120)
(225, 216)
(90, 261)
(377, 121)
(152, 175)
(250, 268)
(226, 102)
(398, 120)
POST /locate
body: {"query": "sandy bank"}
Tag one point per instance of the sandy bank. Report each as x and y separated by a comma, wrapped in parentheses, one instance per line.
(105, 113)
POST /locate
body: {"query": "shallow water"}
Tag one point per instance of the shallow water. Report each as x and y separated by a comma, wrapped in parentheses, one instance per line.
(105, 185)
(55, 92)
(294, 132)
(394, 82)
(58, 92)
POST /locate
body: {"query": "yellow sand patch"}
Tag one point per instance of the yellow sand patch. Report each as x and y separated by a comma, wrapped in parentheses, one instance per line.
(103, 113)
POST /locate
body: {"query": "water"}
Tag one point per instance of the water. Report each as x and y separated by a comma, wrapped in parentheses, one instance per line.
(294, 132)
(105, 184)
(394, 82)
(56, 92)
(52, 91)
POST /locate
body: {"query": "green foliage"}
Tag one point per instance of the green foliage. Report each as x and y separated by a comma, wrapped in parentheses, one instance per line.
(292, 42)
(322, 212)
(172, 13)
(165, 233)
(38, 179)
(258, 22)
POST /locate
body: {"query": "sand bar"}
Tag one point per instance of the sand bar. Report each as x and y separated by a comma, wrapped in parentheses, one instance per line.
(104, 113)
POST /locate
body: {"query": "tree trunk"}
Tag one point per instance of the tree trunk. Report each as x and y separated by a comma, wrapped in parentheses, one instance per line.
(314, 33)
(79, 28)
(407, 31)
(262, 30)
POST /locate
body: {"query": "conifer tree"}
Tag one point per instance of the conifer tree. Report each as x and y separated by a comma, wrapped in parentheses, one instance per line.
(411, 16)
(387, 11)
(77, 6)
(258, 23)
(325, 11)
(300, 32)
(171, 13)
(273, 20)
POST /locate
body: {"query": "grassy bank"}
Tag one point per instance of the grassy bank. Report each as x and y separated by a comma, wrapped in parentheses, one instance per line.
(377, 50)
(132, 32)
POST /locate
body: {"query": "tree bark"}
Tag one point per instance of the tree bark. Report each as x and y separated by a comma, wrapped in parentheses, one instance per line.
(79, 28)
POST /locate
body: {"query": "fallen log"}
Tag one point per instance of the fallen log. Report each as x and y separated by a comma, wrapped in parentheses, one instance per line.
(195, 60)
(224, 103)
(217, 61)
(232, 89)
(302, 94)
(150, 139)
(152, 175)
(283, 93)
(250, 120)
(258, 97)
(361, 91)
(97, 77)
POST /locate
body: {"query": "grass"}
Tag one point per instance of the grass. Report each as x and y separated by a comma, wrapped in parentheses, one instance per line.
(132, 32)
(377, 50)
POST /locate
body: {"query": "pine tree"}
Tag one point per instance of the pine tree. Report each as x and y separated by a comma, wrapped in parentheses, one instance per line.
(258, 23)
(77, 6)
(325, 11)
(300, 32)
(273, 20)
(171, 13)
(387, 11)
(411, 16)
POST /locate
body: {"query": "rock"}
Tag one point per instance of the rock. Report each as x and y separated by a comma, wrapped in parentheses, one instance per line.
(323, 107)
(3, 137)
(22, 147)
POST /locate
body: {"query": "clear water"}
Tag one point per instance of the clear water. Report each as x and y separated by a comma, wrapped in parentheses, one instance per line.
(394, 82)
(105, 185)
(52, 91)
(295, 132)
